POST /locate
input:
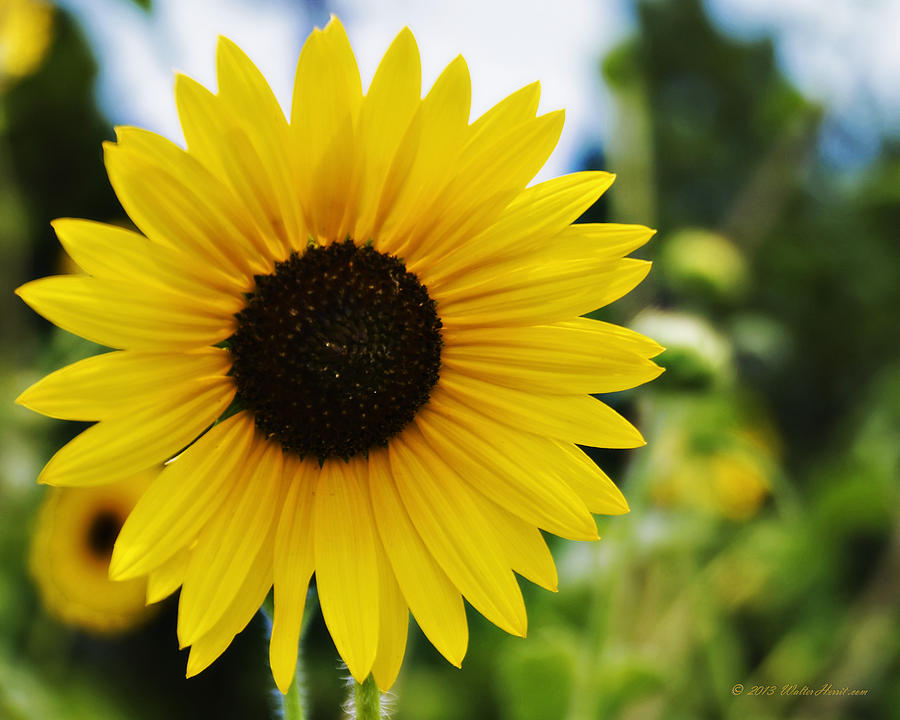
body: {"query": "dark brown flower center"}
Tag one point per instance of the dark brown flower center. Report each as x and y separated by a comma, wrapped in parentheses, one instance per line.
(336, 350)
(102, 533)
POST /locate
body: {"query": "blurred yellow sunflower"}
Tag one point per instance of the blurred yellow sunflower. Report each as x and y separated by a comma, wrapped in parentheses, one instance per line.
(25, 30)
(364, 328)
(70, 550)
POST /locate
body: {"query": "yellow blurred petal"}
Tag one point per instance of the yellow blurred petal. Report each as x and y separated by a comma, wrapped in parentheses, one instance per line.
(167, 578)
(26, 32)
(346, 563)
(69, 561)
(451, 525)
(506, 472)
(188, 492)
(230, 544)
(386, 112)
(294, 565)
(119, 315)
(141, 437)
(245, 605)
(578, 418)
(392, 627)
(433, 599)
(116, 383)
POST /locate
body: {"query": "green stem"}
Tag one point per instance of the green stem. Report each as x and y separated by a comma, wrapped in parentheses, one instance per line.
(292, 703)
(367, 700)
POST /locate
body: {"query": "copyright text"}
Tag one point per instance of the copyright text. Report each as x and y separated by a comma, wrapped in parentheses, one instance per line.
(826, 689)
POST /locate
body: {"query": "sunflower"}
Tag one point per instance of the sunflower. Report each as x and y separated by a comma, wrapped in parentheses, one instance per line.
(26, 27)
(358, 334)
(70, 551)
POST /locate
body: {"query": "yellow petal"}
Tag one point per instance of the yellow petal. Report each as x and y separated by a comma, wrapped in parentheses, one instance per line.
(609, 240)
(294, 565)
(177, 202)
(539, 212)
(245, 605)
(484, 184)
(114, 253)
(509, 112)
(522, 543)
(427, 156)
(326, 101)
(216, 137)
(117, 383)
(433, 599)
(597, 335)
(393, 625)
(592, 484)
(330, 181)
(579, 418)
(542, 294)
(502, 151)
(167, 578)
(120, 315)
(179, 503)
(451, 525)
(385, 115)
(140, 438)
(230, 544)
(498, 461)
(620, 336)
(251, 105)
(554, 359)
(346, 564)
(584, 245)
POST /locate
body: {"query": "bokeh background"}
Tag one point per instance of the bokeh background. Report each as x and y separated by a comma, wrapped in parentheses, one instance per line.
(762, 139)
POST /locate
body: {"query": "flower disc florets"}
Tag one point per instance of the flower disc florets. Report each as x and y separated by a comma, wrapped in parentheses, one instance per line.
(336, 350)
(102, 533)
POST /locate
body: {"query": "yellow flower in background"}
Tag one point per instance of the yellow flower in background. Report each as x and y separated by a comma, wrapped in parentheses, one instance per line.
(364, 328)
(70, 551)
(732, 483)
(25, 30)
(713, 454)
